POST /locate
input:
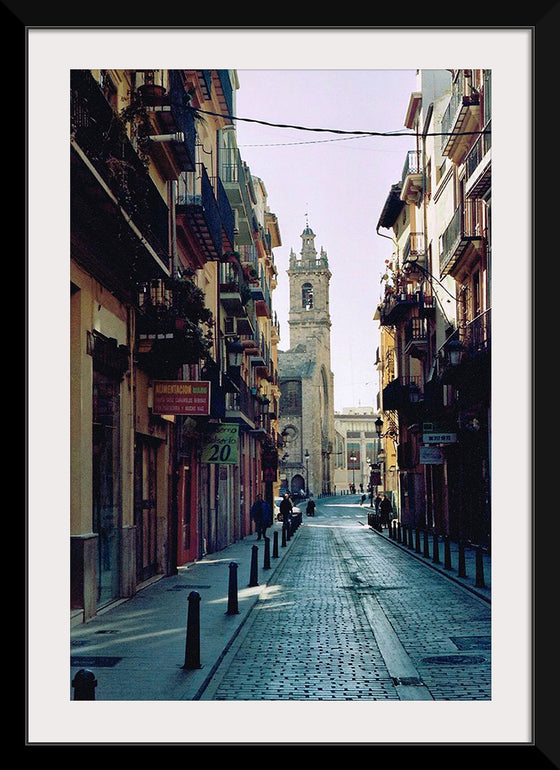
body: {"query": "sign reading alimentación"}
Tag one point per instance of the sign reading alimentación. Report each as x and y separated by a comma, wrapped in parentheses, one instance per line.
(181, 397)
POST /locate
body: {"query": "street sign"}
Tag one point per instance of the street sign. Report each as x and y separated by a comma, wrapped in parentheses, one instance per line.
(431, 455)
(439, 438)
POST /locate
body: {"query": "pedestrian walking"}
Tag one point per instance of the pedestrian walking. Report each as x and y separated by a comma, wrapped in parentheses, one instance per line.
(310, 510)
(261, 513)
(376, 502)
(362, 499)
(385, 509)
(286, 508)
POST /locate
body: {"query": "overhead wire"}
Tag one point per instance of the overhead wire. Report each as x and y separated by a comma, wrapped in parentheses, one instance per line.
(353, 133)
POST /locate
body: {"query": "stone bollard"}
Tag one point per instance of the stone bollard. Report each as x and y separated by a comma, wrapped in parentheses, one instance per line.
(233, 606)
(192, 644)
(266, 562)
(275, 546)
(479, 579)
(253, 580)
(84, 684)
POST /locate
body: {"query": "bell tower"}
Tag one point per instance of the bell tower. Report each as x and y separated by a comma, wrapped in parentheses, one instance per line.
(309, 318)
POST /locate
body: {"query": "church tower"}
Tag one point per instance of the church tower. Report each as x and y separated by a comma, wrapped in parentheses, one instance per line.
(306, 381)
(309, 318)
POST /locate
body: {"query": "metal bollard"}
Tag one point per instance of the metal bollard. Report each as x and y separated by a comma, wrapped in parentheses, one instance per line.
(479, 580)
(399, 536)
(283, 537)
(253, 580)
(233, 606)
(417, 540)
(192, 644)
(84, 684)
(426, 544)
(266, 563)
(462, 572)
(411, 538)
(275, 546)
(435, 557)
(447, 553)
(288, 530)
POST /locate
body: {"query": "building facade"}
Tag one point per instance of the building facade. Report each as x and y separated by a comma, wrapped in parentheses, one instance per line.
(306, 381)
(434, 360)
(171, 330)
(359, 464)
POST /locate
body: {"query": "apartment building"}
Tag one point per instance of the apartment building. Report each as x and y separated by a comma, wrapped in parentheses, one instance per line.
(434, 316)
(162, 308)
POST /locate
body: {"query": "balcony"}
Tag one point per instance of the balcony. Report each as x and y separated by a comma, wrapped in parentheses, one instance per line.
(240, 407)
(198, 213)
(414, 248)
(478, 166)
(399, 304)
(169, 325)
(234, 292)
(260, 294)
(464, 234)
(171, 115)
(412, 177)
(402, 394)
(235, 177)
(115, 206)
(416, 337)
(460, 117)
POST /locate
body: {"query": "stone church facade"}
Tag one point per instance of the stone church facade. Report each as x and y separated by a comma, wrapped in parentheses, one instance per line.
(306, 413)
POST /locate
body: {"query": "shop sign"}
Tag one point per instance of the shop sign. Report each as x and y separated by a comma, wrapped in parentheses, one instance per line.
(181, 397)
(222, 446)
(431, 455)
(439, 438)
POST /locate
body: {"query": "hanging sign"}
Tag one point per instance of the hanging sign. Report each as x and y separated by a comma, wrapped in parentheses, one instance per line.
(222, 446)
(181, 397)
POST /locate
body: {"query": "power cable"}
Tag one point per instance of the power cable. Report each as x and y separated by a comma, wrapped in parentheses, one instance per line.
(336, 130)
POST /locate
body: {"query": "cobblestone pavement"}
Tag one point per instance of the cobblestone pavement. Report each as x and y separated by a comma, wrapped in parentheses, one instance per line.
(350, 616)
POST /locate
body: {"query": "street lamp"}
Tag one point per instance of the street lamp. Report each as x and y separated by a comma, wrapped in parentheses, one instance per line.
(353, 459)
(307, 472)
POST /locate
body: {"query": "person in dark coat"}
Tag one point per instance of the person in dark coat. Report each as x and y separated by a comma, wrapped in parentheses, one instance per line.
(286, 508)
(386, 510)
(261, 513)
(310, 510)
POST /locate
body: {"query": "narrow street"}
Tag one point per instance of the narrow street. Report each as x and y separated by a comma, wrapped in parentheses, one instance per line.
(351, 616)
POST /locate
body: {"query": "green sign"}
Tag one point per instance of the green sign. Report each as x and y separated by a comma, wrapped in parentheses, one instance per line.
(222, 446)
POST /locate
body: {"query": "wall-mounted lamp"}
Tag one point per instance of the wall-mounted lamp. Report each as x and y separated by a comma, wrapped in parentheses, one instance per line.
(454, 352)
(234, 354)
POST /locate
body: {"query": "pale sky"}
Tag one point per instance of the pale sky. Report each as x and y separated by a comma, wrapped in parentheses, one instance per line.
(340, 184)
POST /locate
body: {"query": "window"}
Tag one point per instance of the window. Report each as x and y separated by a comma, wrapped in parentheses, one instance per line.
(307, 296)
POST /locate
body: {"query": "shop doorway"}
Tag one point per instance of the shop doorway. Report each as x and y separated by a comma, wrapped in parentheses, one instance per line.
(145, 507)
(106, 485)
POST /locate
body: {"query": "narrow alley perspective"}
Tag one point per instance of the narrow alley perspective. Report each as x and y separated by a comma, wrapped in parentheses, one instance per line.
(350, 615)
